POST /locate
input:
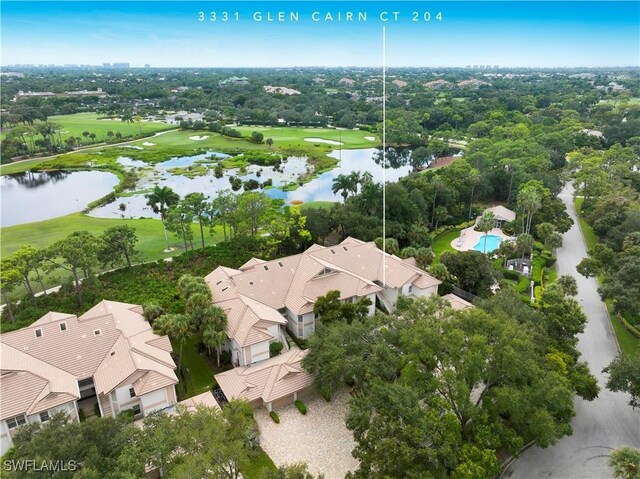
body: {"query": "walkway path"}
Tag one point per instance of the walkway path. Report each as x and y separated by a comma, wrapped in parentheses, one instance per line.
(602, 425)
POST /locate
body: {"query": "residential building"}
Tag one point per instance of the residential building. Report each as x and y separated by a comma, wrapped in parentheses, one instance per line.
(273, 383)
(104, 362)
(503, 215)
(262, 297)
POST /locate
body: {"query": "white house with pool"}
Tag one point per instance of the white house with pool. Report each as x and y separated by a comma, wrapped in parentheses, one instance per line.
(471, 239)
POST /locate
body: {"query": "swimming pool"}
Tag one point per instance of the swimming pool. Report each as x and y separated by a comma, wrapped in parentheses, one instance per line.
(492, 241)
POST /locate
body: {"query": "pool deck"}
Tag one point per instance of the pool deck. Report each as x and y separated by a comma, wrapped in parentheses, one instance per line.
(469, 238)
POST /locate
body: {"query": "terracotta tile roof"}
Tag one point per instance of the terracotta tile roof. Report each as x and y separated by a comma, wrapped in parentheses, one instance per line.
(268, 380)
(457, 302)
(502, 213)
(110, 342)
(261, 288)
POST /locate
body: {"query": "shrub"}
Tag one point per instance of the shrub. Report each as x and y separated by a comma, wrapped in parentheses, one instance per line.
(275, 417)
(445, 288)
(511, 274)
(302, 407)
(275, 349)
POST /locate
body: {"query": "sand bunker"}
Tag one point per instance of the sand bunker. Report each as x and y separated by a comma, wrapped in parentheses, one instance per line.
(322, 140)
(370, 138)
(133, 146)
(148, 143)
(198, 138)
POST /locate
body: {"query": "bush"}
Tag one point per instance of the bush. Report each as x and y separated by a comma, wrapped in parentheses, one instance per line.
(275, 417)
(445, 288)
(275, 349)
(511, 274)
(302, 407)
(326, 396)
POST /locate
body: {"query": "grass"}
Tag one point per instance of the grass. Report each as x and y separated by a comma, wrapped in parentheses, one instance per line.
(589, 236)
(628, 343)
(442, 242)
(151, 241)
(324, 205)
(258, 467)
(200, 377)
(77, 123)
(287, 141)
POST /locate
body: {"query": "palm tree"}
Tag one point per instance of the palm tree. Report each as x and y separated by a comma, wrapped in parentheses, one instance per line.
(86, 134)
(438, 185)
(529, 201)
(160, 199)
(176, 326)
(343, 184)
(474, 180)
(127, 117)
(485, 224)
(366, 178)
(356, 179)
(214, 331)
(524, 244)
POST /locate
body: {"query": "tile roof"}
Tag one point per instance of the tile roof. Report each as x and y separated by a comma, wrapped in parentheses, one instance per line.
(260, 289)
(110, 342)
(502, 213)
(268, 380)
(457, 302)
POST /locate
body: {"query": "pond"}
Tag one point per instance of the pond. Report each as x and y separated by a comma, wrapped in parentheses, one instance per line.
(28, 197)
(292, 168)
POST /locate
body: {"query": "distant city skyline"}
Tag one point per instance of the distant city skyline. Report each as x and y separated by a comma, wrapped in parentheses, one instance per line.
(319, 34)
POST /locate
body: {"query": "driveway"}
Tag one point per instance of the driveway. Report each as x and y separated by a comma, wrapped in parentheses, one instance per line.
(320, 438)
(602, 425)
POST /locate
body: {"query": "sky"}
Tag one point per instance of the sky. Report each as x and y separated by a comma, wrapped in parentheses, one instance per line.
(169, 34)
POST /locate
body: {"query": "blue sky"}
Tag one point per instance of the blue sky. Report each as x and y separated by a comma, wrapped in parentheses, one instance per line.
(168, 34)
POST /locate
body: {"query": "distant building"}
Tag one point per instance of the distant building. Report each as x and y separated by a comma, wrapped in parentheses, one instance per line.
(472, 83)
(282, 90)
(438, 84)
(121, 65)
(238, 81)
(146, 65)
(400, 83)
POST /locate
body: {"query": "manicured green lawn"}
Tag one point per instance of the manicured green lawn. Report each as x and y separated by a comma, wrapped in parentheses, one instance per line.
(589, 236)
(149, 231)
(324, 205)
(76, 124)
(259, 467)
(200, 377)
(41, 234)
(629, 344)
(442, 242)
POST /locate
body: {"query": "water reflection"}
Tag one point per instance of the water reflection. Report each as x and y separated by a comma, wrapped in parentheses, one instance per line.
(29, 196)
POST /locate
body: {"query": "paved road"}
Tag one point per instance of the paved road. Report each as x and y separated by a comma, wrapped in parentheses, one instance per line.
(602, 425)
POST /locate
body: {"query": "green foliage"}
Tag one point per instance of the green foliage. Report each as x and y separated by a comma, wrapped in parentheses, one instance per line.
(472, 269)
(329, 308)
(625, 462)
(275, 417)
(624, 375)
(275, 348)
(302, 407)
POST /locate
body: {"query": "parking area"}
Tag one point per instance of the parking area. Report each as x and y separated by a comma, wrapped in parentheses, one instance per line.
(320, 438)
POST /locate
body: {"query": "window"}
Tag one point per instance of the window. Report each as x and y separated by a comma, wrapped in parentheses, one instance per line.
(280, 264)
(136, 409)
(97, 332)
(132, 393)
(266, 268)
(14, 422)
(251, 283)
(345, 248)
(332, 251)
(300, 318)
(38, 333)
(410, 288)
(63, 326)
(44, 416)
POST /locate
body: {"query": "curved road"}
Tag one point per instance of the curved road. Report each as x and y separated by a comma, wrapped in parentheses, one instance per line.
(602, 425)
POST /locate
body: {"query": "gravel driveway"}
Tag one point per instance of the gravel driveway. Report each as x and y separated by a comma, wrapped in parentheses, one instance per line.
(320, 438)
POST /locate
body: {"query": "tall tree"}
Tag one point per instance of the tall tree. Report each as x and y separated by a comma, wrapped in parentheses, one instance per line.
(176, 326)
(160, 199)
(197, 204)
(485, 224)
(118, 246)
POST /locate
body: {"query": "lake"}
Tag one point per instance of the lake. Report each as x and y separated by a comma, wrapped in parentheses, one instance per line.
(318, 189)
(28, 197)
